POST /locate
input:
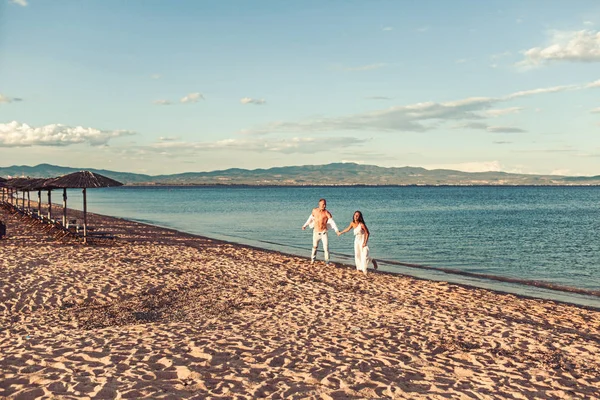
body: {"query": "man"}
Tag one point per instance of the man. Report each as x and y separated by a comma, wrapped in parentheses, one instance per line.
(320, 219)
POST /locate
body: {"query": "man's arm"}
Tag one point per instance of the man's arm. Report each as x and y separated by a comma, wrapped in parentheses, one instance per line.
(331, 223)
(310, 220)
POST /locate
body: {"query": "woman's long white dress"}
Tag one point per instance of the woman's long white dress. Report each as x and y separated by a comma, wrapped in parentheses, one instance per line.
(361, 254)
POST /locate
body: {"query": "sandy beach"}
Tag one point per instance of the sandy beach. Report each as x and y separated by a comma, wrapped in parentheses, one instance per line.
(161, 314)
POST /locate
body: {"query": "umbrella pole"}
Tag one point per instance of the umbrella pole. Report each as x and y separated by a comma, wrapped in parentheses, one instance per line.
(50, 204)
(84, 217)
(65, 207)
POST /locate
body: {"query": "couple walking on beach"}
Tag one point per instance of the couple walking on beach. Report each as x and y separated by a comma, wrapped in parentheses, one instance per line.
(321, 221)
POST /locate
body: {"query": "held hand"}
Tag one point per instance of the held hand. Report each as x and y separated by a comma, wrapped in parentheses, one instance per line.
(339, 233)
(304, 228)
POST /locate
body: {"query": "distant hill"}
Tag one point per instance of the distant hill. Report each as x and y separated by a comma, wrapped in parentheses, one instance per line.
(329, 174)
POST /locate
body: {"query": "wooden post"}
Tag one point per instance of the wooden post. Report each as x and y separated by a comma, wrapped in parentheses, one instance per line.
(84, 217)
(23, 202)
(65, 207)
(28, 201)
(40, 203)
(50, 204)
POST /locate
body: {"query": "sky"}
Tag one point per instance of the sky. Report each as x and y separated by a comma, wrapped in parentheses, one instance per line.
(162, 87)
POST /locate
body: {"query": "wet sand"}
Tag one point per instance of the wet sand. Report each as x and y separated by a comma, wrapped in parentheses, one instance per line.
(162, 314)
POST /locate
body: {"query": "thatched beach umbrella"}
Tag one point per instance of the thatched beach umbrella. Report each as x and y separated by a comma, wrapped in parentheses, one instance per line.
(18, 184)
(83, 180)
(2, 186)
(37, 185)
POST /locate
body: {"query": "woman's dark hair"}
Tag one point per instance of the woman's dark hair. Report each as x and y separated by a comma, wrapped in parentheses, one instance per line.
(360, 217)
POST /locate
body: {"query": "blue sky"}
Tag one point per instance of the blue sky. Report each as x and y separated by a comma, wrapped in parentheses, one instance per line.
(164, 87)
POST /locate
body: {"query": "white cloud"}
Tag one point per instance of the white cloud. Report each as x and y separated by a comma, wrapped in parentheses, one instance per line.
(593, 84)
(368, 67)
(461, 61)
(156, 76)
(471, 125)
(419, 117)
(15, 134)
(192, 98)
(502, 111)
(22, 3)
(400, 118)
(588, 23)
(286, 146)
(378, 98)
(543, 90)
(387, 28)
(249, 100)
(162, 102)
(423, 29)
(504, 129)
(579, 46)
(596, 110)
(486, 127)
(6, 99)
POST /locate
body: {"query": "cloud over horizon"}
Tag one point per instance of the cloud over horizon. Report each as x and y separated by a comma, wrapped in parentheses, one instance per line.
(286, 146)
(162, 102)
(503, 111)
(419, 117)
(192, 98)
(15, 134)
(250, 100)
(6, 99)
(574, 46)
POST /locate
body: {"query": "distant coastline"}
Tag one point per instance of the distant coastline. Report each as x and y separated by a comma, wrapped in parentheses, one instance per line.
(242, 185)
(336, 174)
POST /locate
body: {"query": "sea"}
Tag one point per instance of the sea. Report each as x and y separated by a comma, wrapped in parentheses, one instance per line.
(534, 241)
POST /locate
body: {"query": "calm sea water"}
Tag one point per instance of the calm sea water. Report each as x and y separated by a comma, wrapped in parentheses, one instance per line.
(547, 234)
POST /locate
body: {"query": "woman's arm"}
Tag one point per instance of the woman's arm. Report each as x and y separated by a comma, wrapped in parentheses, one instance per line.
(364, 226)
(347, 229)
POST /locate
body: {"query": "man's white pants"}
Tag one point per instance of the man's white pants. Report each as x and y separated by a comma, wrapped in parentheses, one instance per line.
(323, 237)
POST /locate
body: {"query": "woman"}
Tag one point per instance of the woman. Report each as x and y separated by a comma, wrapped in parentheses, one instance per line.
(361, 237)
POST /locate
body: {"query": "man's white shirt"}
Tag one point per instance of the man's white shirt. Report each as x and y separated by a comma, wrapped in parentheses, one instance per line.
(310, 222)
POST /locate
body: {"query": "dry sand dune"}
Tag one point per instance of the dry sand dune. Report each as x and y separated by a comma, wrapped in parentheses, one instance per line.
(161, 314)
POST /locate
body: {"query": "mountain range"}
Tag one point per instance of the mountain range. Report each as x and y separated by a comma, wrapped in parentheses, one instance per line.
(329, 174)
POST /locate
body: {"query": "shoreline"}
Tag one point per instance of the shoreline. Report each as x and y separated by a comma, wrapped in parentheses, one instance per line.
(162, 313)
(580, 297)
(587, 294)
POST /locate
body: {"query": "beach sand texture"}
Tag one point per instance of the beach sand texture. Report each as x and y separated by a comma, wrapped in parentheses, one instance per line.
(162, 314)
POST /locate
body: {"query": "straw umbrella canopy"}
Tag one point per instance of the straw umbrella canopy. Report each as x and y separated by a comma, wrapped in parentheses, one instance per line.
(18, 184)
(2, 186)
(39, 184)
(83, 180)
